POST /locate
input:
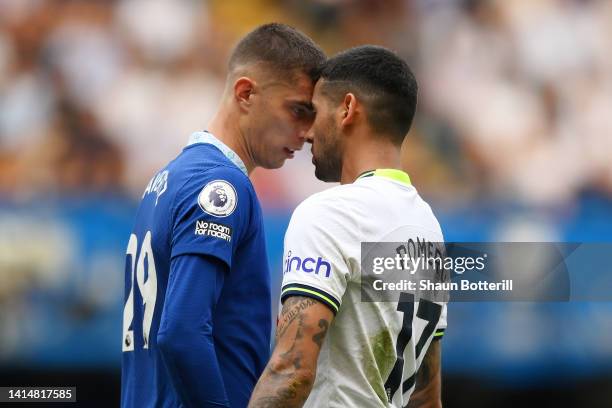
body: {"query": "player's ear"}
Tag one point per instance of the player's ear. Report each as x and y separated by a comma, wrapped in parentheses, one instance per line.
(348, 110)
(243, 91)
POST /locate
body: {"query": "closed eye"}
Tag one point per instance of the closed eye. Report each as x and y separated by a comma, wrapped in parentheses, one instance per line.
(302, 112)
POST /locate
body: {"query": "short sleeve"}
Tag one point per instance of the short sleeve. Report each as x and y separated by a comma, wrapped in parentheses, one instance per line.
(212, 212)
(314, 263)
(441, 327)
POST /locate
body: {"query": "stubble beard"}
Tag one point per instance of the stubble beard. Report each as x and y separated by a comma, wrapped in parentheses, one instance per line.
(328, 161)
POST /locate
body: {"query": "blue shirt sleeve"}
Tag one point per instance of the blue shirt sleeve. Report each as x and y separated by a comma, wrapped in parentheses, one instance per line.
(211, 214)
(185, 337)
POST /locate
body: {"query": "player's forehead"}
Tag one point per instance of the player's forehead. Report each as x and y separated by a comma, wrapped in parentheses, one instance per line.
(292, 86)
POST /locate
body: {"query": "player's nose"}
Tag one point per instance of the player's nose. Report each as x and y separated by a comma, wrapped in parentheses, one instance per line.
(303, 132)
(301, 138)
(309, 136)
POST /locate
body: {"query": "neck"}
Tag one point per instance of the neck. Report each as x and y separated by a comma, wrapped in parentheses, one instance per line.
(368, 153)
(225, 127)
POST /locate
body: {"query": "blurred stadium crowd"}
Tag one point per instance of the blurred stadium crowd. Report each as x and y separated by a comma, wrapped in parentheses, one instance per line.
(515, 95)
(96, 95)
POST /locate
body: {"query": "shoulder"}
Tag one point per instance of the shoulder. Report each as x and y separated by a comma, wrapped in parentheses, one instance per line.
(203, 163)
(339, 202)
(219, 191)
(335, 209)
(221, 177)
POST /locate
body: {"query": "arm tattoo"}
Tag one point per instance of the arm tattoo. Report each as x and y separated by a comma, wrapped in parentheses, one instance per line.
(283, 383)
(318, 338)
(291, 310)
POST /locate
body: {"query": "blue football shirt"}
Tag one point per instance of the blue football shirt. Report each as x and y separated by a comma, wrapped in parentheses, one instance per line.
(202, 203)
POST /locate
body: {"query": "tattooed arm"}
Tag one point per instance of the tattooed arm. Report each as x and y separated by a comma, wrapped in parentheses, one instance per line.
(290, 373)
(428, 382)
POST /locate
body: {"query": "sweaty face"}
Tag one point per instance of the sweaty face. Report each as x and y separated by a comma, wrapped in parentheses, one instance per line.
(279, 118)
(325, 138)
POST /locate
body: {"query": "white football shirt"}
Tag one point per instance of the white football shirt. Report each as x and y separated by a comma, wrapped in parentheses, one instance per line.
(358, 365)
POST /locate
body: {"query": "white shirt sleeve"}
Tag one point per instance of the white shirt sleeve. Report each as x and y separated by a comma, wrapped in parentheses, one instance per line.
(441, 327)
(315, 263)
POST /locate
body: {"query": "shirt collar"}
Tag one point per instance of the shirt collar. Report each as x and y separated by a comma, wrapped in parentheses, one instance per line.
(392, 174)
(209, 138)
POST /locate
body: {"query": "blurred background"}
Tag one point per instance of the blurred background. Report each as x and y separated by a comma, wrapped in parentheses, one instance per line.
(513, 142)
